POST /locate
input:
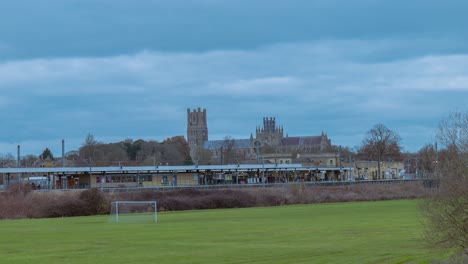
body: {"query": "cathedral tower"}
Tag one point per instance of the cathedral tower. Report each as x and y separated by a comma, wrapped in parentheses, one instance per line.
(269, 134)
(197, 130)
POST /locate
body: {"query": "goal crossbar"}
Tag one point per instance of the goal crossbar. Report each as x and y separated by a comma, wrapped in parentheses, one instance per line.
(153, 204)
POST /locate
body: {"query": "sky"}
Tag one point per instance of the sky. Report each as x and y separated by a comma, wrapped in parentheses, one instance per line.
(130, 69)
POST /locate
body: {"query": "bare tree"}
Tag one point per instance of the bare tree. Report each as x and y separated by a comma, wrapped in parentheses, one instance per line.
(90, 140)
(150, 153)
(427, 157)
(7, 160)
(228, 151)
(447, 206)
(379, 143)
(204, 156)
(453, 131)
(29, 160)
(181, 147)
(88, 147)
(110, 154)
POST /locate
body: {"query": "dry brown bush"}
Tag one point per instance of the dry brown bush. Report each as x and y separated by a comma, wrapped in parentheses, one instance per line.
(27, 204)
(94, 202)
(16, 202)
(59, 204)
(191, 199)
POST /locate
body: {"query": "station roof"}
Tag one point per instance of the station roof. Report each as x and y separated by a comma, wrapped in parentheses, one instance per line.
(128, 169)
(162, 169)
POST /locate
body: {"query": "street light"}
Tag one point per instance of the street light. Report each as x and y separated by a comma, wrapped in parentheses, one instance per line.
(257, 147)
(263, 170)
(339, 156)
(90, 171)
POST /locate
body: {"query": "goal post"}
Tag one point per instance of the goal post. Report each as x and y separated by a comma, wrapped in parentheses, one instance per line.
(133, 212)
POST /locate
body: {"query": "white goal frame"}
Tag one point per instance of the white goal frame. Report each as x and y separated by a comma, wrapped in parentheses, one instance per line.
(152, 203)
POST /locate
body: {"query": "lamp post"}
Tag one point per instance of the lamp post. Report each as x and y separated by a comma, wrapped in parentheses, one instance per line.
(257, 147)
(341, 167)
(18, 164)
(63, 153)
(437, 161)
(417, 176)
(263, 171)
(90, 169)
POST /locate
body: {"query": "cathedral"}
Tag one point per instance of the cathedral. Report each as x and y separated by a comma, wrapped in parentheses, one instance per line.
(268, 139)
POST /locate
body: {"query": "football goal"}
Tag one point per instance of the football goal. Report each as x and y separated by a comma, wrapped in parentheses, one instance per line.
(133, 212)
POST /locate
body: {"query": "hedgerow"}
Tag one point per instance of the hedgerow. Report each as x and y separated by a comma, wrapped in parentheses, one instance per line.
(21, 202)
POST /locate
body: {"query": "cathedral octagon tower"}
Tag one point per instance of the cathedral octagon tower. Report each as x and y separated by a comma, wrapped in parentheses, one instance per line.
(269, 134)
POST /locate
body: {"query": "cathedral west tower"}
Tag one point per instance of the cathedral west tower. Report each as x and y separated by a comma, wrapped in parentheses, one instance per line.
(197, 130)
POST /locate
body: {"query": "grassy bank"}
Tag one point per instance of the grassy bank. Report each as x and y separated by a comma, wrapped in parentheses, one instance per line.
(357, 232)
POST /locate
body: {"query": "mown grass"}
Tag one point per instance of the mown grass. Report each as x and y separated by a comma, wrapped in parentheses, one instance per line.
(358, 232)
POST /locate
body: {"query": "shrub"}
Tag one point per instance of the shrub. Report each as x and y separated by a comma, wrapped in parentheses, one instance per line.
(93, 202)
(56, 204)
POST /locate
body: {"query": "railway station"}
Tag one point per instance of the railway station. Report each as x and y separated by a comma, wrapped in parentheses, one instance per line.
(164, 176)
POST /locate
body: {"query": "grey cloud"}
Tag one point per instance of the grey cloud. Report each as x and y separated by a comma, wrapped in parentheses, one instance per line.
(53, 28)
(309, 87)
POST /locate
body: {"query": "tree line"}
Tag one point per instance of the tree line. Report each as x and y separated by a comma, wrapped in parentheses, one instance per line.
(379, 144)
(171, 151)
(129, 152)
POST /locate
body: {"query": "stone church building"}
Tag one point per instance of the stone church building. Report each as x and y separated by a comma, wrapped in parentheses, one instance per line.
(268, 139)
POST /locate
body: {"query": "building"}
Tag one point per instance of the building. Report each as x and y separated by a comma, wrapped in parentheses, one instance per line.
(197, 130)
(269, 140)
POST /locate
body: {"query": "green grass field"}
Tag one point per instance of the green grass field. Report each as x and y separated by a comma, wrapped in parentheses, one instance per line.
(358, 232)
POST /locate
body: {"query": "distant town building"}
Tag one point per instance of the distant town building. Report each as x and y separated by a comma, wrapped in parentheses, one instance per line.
(269, 139)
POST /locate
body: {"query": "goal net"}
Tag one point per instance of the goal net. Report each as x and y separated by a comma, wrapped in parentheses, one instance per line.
(133, 212)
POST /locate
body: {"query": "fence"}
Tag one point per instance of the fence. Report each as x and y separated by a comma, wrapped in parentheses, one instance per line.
(259, 185)
(237, 186)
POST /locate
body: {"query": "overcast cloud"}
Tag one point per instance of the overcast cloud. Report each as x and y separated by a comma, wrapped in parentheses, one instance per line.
(130, 69)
